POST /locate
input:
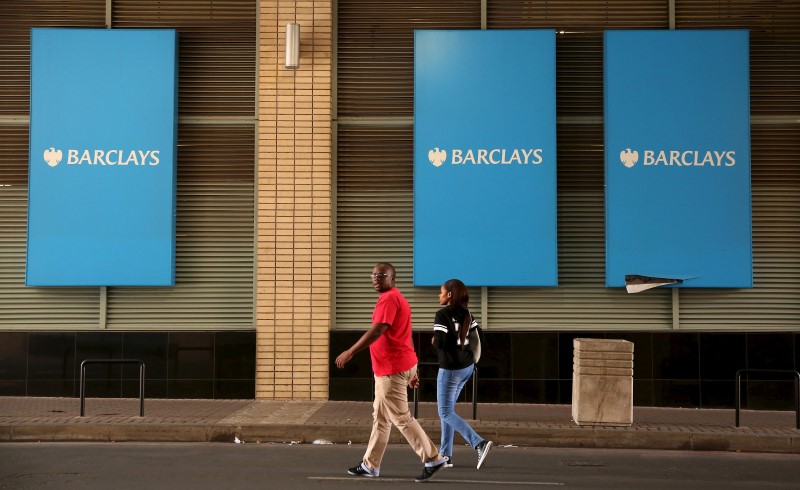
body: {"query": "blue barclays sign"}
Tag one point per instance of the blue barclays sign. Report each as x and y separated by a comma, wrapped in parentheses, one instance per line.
(677, 157)
(485, 158)
(102, 171)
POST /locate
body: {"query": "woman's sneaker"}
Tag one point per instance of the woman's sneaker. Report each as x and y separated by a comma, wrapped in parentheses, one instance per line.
(362, 470)
(449, 463)
(483, 450)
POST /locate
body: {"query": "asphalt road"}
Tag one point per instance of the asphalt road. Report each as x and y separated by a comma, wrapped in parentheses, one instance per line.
(154, 466)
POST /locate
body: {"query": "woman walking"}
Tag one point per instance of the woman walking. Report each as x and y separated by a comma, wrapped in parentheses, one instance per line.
(456, 363)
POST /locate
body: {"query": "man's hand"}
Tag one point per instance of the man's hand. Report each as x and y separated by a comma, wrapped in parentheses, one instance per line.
(343, 358)
(368, 338)
(414, 381)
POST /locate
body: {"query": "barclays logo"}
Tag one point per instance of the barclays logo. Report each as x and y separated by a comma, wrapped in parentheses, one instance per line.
(679, 158)
(111, 158)
(52, 156)
(437, 157)
(628, 157)
(481, 156)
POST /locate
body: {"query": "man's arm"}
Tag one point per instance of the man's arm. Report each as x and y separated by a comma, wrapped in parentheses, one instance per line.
(370, 336)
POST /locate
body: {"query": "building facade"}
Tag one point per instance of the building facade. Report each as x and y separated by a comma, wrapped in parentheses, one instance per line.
(293, 183)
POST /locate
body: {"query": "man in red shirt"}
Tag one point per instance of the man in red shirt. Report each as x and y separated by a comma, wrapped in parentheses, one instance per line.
(394, 363)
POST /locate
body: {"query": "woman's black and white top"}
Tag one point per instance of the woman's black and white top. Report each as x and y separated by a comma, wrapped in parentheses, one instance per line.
(446, 326)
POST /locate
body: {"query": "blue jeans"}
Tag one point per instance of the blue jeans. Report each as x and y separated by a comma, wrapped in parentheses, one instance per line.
(449, 383)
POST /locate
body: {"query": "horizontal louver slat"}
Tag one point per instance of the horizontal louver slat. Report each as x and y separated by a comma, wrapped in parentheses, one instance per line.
(578, 307)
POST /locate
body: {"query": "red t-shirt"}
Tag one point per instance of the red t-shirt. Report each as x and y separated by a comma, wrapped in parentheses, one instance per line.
(393, 352)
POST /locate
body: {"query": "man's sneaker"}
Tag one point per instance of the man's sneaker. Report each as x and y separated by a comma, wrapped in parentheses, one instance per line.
(449, 463)
(361, 470)
(429, 471)
(483, 449)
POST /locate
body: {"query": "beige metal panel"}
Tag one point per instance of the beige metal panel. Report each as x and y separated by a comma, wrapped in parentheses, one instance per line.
(375, 50)
(579, 307)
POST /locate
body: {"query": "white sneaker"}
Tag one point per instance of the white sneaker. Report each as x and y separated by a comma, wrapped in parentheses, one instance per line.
(483, 449)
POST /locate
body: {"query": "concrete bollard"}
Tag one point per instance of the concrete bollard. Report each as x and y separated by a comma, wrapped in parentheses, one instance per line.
(602, 382)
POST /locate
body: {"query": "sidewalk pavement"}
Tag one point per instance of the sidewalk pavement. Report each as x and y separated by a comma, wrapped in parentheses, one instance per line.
(263, 421)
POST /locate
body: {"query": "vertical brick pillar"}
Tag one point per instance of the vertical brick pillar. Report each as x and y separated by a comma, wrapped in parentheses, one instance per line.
(295, 188)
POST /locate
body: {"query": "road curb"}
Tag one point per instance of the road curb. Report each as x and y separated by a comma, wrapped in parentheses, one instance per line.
(116, 433)
(578, 437)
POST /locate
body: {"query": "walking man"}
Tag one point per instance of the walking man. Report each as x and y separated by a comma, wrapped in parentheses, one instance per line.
(394, 364)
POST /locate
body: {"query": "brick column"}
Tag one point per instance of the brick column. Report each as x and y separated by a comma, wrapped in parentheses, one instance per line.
(295, 188)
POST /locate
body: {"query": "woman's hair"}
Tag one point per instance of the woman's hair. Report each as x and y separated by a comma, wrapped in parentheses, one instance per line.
(459, 296)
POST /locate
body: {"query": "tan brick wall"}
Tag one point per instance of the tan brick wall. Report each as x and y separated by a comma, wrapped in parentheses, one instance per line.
(295, 189)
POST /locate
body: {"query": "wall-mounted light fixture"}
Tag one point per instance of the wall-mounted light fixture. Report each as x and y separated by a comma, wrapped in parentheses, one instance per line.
(293, 46)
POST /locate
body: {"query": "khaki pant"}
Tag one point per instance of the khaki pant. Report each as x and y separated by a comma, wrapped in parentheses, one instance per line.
(391, 408)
